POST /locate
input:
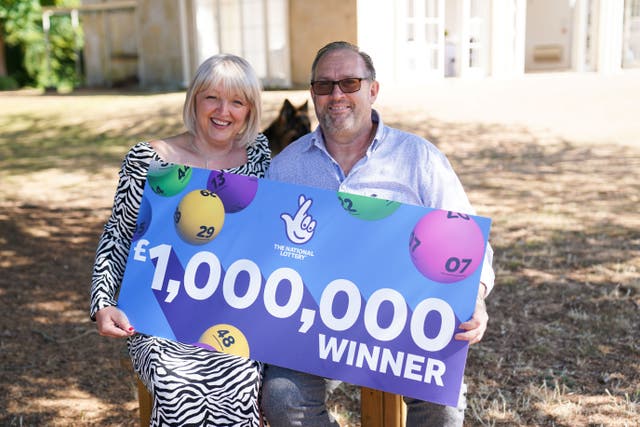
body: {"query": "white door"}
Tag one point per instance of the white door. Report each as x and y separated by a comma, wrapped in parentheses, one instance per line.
(585, 35)
(631, 36)
(474, 38)
(420, 39)
(257, 30)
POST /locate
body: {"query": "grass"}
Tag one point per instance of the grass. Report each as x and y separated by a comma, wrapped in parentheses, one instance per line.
(562, 347)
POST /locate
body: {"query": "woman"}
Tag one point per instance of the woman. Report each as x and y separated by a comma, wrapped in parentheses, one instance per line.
(221, 114)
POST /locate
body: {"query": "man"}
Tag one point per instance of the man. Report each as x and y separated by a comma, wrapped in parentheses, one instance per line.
(353, 151)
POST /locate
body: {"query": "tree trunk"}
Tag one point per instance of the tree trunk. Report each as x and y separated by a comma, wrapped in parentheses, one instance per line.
(3, 60)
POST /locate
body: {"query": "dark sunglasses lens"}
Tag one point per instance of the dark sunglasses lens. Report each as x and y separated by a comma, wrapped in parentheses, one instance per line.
(349, 85)
(346, 86)
(322, 88)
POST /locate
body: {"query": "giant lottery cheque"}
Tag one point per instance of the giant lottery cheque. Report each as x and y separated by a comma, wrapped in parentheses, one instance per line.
(354, 288)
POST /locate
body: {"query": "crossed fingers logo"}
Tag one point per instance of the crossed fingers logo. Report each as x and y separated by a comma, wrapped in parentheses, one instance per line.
(301, 226)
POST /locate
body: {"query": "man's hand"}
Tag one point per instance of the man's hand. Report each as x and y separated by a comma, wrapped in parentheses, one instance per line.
(112, 322)
(477, 325)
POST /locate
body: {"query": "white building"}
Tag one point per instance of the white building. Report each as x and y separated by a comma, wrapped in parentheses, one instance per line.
(161, 42)
(477, 38)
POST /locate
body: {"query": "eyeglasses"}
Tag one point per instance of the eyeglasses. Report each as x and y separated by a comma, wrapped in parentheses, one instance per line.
(349, 85)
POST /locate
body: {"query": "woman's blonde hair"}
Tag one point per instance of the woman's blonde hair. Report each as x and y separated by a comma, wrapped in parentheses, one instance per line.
(231, 73)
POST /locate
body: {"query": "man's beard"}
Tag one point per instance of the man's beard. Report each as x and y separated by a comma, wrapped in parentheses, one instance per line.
(338, 125)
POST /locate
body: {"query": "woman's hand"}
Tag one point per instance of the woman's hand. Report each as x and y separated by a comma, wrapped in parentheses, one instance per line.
(112, 322)
(476, 326)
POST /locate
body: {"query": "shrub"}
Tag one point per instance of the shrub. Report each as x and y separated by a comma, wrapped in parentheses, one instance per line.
(8, 83)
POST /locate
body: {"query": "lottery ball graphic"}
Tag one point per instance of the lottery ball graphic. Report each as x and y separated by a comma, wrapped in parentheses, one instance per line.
(367, 208)
(158, 168)
(446, 246)
(205, 346)
(199, 217)
(236, 191)
(168, 180)
(226, 339)
(144, 219)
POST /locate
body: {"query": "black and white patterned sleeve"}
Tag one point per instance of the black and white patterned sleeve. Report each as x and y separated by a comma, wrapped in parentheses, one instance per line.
(114, 243)
(259, 158)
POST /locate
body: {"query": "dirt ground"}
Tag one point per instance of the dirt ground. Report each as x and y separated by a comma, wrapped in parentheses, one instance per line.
(562, 348)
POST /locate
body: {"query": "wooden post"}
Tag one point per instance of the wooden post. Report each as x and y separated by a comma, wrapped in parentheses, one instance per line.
(145, 403)
(377, 408)
(380, 409)
(145, 400)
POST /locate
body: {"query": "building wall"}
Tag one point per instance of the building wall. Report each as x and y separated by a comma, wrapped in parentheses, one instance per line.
(312, 24)
(507, 39)
(140, 43)
(159, 36)
(377, 36)
(145, 41)
(549, 35)
(609, 33)
(110, 45)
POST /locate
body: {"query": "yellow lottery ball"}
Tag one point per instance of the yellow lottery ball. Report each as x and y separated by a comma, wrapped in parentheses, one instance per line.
(199, 217)
(226, 339)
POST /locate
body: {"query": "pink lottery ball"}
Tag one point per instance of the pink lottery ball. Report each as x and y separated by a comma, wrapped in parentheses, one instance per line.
(235, 191)
(446, 246)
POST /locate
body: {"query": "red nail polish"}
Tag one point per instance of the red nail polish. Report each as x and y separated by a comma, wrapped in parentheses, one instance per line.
(131, 329)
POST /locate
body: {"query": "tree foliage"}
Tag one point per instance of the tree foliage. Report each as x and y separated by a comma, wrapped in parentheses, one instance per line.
(49, 58)
(19, 21)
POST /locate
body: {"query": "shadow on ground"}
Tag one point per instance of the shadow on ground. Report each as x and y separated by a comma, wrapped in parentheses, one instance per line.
(561, 348)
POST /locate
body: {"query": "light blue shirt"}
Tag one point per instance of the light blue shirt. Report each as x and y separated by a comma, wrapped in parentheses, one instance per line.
(397, 166)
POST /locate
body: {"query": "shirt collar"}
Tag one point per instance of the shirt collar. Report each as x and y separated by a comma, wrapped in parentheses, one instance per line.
(377, 139)
(317, 139)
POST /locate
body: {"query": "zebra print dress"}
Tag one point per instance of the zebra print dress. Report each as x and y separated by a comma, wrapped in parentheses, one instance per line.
(190, 385)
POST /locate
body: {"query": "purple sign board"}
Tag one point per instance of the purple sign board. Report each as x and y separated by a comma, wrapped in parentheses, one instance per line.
(354, 288)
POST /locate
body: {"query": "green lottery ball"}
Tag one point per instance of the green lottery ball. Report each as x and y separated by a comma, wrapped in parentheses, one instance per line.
(199, 217)
(168, 180)
(367, 208)
(158, 168)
